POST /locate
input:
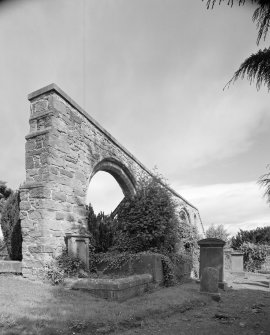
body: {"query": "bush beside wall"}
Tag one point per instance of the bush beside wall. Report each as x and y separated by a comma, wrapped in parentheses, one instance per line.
(11, 226)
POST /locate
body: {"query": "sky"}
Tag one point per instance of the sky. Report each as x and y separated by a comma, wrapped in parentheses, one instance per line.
(152, 73)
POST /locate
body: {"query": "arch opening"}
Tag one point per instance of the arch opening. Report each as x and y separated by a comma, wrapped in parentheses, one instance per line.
(184, 216)
(104, 193)
(109, 183)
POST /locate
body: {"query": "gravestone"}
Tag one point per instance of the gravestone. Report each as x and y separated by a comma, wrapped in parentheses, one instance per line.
(209, 280)
(237, 262)
(78, 247)
(211, 255)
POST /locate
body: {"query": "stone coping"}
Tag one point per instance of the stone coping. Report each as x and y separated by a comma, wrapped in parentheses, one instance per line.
(69, 235)
(54, 88)
(211, 243)
(237, 253)
(116, 284)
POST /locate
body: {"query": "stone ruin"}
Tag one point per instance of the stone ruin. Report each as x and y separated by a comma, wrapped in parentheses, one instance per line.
(65, 148)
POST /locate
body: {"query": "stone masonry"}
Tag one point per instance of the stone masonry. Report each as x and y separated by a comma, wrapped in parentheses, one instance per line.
(64, 149)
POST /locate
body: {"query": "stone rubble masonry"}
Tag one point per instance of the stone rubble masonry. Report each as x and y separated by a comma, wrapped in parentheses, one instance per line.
(64, 149)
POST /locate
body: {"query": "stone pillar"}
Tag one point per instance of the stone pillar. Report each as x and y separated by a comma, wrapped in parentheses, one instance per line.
(53, 195)
(211, 255)
(78, 247)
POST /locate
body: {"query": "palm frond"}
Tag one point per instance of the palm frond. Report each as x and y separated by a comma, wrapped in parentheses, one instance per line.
(262, 16)
(211, 3)
(264, 181)
(256, 68)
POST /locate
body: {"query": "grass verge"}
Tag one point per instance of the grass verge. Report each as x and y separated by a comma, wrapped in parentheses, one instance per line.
(37, 308)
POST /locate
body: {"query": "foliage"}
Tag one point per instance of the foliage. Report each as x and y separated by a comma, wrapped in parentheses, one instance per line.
(5, 192)
(255, 236)
(69, 265)
(102, 228)
(217, 232)
(264, 181)
(53, 273)
(189, 238)
(147, 221)
(168, 271)
(61, 267)
(254, 255)
(255, 67)
(11, 226)
(117, 261)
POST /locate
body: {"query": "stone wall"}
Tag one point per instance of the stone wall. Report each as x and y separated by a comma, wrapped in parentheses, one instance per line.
(64, 149)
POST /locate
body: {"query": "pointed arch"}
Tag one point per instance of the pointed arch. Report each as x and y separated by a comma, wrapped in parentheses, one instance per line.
(120, 172)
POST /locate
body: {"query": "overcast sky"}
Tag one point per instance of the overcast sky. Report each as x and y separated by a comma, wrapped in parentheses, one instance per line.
(152, 73)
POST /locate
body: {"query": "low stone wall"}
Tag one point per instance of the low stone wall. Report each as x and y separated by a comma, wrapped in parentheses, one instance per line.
(114, 289)
(146, 263)
(183, 270)
(10, 267)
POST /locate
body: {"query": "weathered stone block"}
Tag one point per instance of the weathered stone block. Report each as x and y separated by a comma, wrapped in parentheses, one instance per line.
(10, 267)
(59, 105)
(78, 246)
(209, 280)
(40, 248)
(58, 196)
(40, 192)
(40, 106)
(29, 162)
(35, 215)
(114, 289)
(66, 173)
(59, 216)
(211, 255)
(25, 205)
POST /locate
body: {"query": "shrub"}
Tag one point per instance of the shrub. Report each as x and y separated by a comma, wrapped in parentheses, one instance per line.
(102, 228)
(256, 236)
(53, 273)
(5, 192)
(69, 265)
(11, 226)
(61, 267)
(147, 221)
(254, 256)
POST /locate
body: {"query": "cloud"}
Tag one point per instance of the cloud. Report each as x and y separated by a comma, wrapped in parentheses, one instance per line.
(236, 206)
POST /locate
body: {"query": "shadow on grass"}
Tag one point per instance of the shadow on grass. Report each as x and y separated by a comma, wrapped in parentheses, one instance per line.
(38, 308)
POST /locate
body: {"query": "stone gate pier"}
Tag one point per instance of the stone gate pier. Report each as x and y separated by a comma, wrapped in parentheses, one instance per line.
(64, 149)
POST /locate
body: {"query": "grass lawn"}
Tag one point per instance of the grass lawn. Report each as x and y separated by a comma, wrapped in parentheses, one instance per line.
(36, 308)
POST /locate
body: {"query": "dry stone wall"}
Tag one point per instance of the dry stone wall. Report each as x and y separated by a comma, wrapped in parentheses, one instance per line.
(64, 149)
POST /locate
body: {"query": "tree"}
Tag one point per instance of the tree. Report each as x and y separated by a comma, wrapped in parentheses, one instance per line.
(254, 236)
(147, 221)
(217, 232)
(5, 192)
(257, 66)
(11, 226)
(264, 181)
